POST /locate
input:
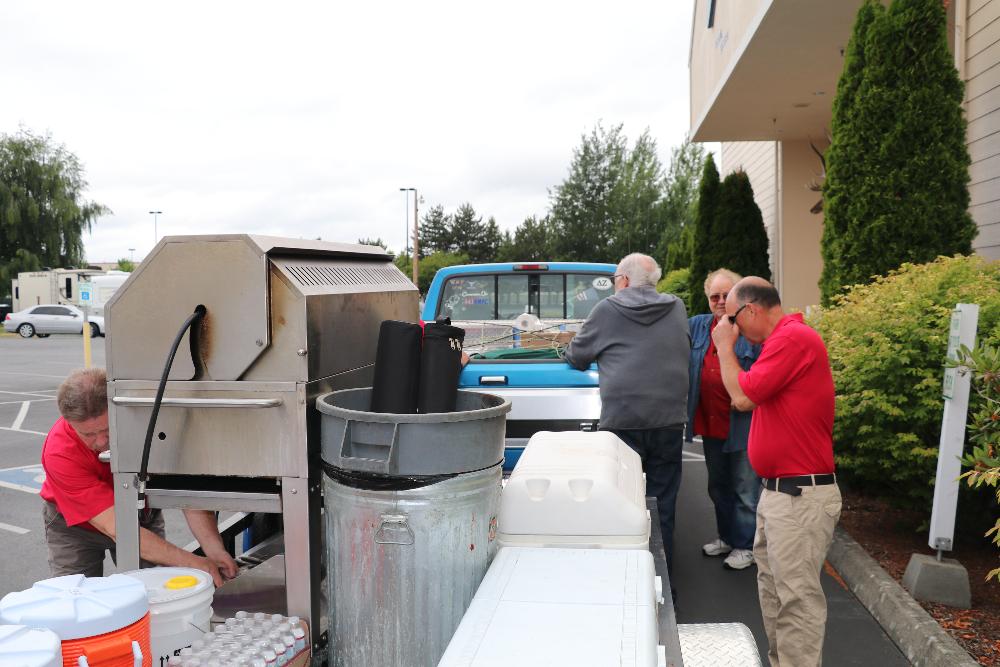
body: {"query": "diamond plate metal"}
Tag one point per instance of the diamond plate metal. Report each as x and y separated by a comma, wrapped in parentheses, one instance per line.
(717, 645)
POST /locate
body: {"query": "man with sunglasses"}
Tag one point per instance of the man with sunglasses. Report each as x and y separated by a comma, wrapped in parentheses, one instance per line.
(790, 389)
(640, 341)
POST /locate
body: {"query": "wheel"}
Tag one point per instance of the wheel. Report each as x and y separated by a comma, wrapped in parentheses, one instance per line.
(95, 331)
(26, 330)
(43, 335)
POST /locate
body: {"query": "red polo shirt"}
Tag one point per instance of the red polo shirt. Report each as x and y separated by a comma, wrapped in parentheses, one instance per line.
(791, 432)
(80, 486)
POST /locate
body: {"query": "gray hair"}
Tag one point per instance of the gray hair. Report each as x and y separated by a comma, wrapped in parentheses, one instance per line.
(83, 395)
(640, 269)
(732, 275)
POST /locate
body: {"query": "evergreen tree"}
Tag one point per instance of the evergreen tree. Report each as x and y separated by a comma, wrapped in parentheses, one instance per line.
(467, 232)
(582, 206)
(680, 197)
(849, 147)
(532, 241)
(436, 232)
(739, 238)
(908, 197)
(42, 211)
(637, 200)
(702, 259)
(487, 247)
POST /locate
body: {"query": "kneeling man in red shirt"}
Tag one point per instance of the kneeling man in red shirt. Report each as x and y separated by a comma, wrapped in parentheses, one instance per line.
(790, 390)
(79, 496)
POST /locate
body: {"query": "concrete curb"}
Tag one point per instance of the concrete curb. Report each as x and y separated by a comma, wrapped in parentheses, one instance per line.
(914, 631)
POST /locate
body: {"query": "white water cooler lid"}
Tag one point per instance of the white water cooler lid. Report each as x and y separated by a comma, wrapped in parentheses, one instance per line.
(29, 647)
(170, 584)
(76, 606)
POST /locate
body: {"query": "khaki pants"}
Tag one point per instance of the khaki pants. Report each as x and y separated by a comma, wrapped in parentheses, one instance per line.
(76, 550)
(793, 536)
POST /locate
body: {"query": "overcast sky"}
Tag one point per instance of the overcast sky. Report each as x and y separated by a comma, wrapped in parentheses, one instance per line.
(305, 119)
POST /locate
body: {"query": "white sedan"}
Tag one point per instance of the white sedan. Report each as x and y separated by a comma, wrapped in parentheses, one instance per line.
(50, 319)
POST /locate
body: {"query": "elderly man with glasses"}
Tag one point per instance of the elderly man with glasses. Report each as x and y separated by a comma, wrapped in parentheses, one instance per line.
(790, 389)
(640, 341)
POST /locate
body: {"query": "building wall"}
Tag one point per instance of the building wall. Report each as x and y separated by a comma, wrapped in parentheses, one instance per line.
(759, 159)
(801, 230)
(714, 51)
(982, 94)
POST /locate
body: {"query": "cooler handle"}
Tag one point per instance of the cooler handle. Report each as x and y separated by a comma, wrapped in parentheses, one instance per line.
(393, 529)
(110, 650)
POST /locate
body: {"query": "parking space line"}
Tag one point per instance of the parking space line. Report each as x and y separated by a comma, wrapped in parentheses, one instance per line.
(37, 394)
(21, 414)
(36, 375)
(14, 529)
(21, 430)
(34, 400)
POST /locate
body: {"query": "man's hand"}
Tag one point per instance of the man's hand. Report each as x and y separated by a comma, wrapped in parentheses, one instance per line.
(724, 334)
(465, 358)
(209, 566)
(224, 563)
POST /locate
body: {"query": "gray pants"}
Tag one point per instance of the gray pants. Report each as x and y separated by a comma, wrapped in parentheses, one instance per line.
(76, 550)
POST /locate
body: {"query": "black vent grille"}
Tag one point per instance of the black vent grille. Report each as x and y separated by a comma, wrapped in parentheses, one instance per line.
(317, 275)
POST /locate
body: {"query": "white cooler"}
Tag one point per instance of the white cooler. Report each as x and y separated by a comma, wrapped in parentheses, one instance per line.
(575, 489)
(544, 607)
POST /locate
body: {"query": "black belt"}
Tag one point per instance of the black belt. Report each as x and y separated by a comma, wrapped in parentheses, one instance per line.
(791, 485)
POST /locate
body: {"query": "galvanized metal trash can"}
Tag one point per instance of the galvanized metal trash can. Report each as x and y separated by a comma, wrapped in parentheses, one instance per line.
(411, 503)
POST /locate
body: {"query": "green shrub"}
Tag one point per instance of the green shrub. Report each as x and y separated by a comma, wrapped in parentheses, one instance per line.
(887, 343)
(428, 266)
(676, 283)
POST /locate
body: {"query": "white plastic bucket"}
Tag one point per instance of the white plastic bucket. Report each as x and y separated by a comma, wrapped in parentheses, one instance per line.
(180, 608)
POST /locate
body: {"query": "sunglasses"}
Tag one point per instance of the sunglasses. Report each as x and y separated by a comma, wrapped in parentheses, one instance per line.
(732, 318)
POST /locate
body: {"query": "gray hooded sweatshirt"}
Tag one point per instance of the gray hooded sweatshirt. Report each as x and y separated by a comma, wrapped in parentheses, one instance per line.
(641, 343)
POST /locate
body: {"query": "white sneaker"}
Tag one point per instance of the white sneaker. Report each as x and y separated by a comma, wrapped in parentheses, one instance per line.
(739, 559)
(716, 548)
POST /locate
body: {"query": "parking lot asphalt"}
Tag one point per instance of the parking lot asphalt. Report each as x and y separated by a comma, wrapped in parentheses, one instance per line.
(31, 370)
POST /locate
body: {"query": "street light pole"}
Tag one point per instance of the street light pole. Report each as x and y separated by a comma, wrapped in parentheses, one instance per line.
(155, 214)
(416, 238)
(406, 216)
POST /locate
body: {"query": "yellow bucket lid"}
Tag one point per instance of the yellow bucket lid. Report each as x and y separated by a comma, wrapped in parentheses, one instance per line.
(177, 583)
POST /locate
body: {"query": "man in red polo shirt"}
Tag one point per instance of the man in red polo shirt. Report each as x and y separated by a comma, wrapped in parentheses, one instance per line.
(79, 496)
(790, 390)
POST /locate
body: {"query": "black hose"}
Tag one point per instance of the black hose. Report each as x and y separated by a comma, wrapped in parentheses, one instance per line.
(196, 316)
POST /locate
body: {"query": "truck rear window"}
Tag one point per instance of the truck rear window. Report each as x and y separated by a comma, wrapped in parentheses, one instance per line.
(550, 296)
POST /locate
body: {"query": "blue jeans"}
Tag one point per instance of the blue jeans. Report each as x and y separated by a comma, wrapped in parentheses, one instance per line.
(660, 451)
(734, 489)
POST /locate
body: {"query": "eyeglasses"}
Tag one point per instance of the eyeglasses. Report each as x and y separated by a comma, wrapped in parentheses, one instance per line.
(618, 275)
(714, 298)
(732, 318)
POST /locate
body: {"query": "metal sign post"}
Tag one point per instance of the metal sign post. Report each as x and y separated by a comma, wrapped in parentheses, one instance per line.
(964, 320)
(84, 290)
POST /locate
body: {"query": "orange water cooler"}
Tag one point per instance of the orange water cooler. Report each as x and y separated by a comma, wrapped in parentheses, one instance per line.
(102, 621)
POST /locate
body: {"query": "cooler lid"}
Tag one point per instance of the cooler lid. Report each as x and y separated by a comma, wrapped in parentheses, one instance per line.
(76, 606)
(169, 584)
(29, 647)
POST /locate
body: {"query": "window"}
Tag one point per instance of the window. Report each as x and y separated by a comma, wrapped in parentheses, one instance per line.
(65, 312)
(584, 291)
(711, 13)
(468, 298)
(504, 296)
(43, 310)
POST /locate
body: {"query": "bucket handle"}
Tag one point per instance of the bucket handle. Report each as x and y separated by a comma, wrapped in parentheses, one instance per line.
(393, 529)
(380, 455)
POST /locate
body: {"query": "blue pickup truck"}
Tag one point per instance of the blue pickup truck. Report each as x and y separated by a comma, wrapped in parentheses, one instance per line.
(516, 317)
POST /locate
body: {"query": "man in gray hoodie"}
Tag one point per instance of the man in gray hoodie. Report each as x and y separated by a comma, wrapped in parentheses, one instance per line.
(641, 343)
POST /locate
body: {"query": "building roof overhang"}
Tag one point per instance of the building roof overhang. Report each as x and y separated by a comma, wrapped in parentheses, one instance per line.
(780, 84)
